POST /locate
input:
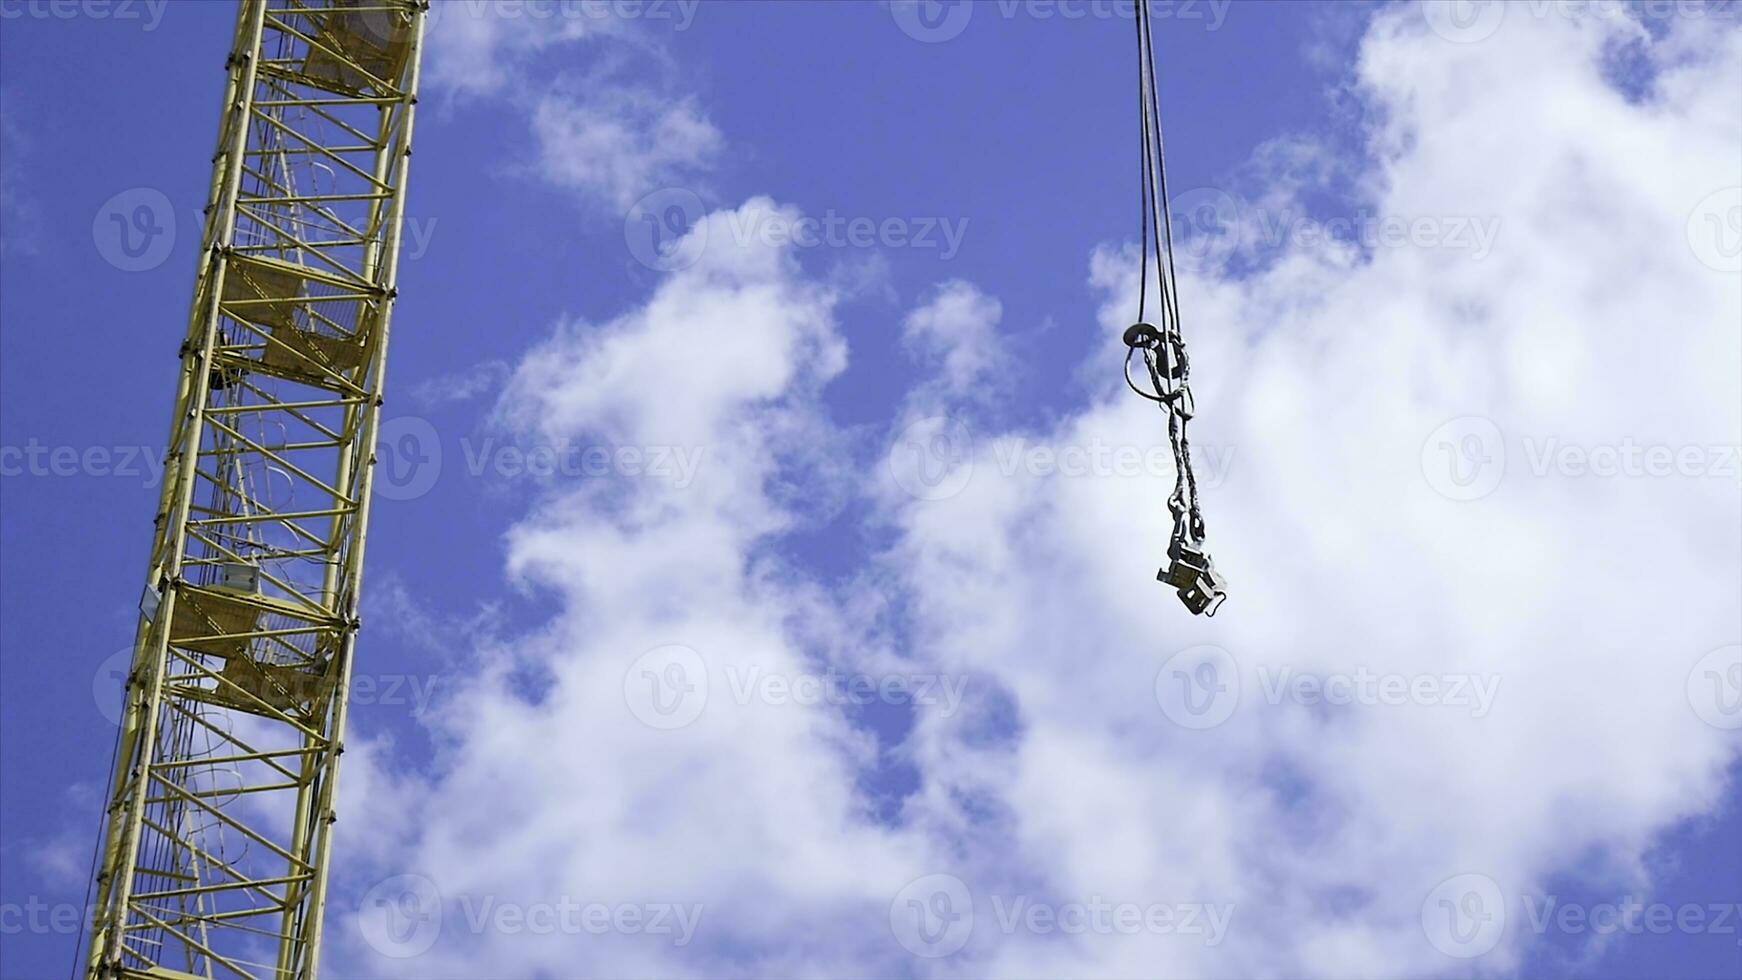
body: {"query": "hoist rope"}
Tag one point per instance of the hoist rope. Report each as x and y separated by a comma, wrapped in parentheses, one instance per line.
(1163, 346)
(1156, 235)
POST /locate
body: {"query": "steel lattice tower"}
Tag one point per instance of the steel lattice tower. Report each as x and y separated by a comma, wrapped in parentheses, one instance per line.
(216, 846)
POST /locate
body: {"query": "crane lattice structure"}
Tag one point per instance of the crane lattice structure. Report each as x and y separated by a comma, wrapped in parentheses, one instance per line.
(217, 836)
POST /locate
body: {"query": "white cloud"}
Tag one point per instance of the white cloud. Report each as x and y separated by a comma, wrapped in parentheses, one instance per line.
(479, 49)
(746, 811)
(621, 143)
(1590, 320)
(1589, 599)
(462, 385)
(596, 133)
(958, 326)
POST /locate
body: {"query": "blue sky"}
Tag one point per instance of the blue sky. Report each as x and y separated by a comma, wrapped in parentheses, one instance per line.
(527, 320)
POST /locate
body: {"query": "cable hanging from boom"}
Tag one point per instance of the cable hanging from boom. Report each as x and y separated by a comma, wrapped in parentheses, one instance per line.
(1189, 569)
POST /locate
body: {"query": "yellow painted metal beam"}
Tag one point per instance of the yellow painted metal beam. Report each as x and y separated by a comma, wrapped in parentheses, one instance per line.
(244, 652)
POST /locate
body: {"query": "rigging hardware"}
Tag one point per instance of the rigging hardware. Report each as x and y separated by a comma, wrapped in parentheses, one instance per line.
(1189, 570)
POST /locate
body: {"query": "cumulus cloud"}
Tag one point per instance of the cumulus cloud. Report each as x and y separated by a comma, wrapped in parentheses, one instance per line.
(477, 49)
(595, 792)
(462, 385)
(620, 143)
(1332, 371)
(1364, 532)
(606, 137)
(957, 327)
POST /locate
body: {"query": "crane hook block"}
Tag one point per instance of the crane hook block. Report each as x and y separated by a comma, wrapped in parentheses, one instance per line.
(1194, 577)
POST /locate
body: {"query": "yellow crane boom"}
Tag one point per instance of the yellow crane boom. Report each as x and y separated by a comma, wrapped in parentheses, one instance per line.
(216, 844)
